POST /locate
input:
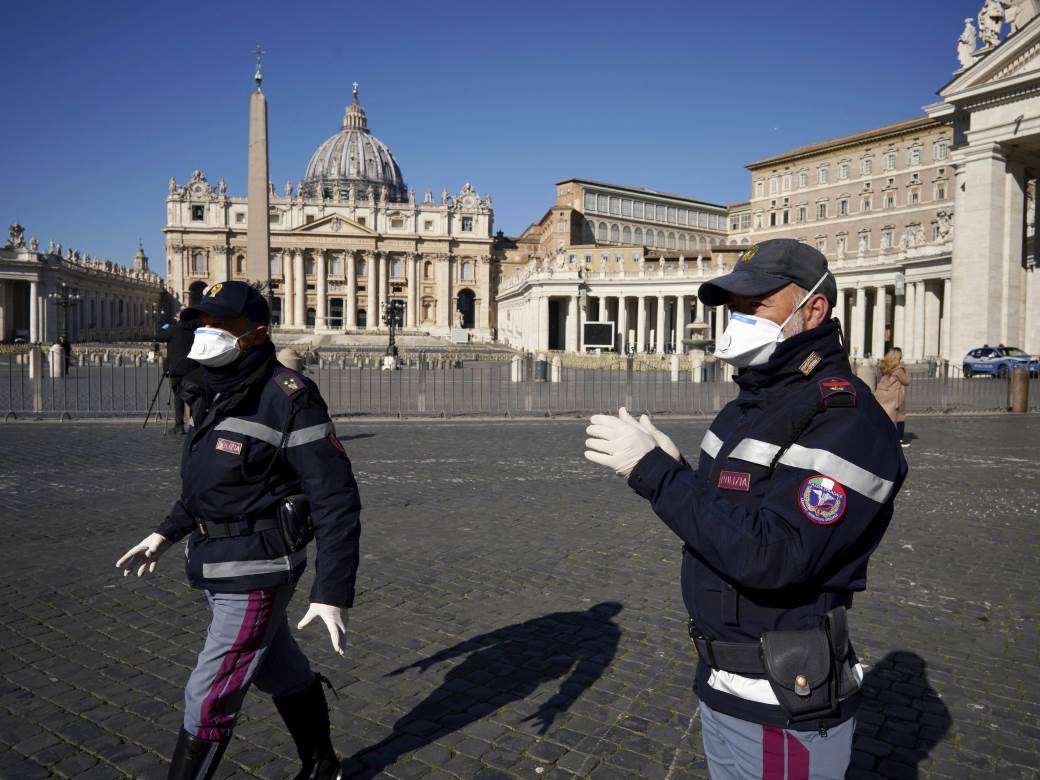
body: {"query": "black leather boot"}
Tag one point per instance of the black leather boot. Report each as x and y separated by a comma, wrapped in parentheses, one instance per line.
(194, 758)
(306, 714)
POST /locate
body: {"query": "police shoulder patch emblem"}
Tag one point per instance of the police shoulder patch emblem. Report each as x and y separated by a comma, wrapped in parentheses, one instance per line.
(822, 499)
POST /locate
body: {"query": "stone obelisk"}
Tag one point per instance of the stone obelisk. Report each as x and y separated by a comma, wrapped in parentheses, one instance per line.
(258, 234)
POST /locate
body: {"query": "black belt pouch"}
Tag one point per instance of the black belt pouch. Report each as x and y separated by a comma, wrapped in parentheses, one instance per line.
(802, 666)
(294, 521)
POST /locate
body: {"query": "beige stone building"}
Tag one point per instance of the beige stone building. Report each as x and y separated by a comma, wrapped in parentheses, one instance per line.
(109, 301)
(609, 253)
(349, 238)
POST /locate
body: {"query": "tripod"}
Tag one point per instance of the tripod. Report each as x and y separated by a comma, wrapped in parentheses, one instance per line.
(151, 406)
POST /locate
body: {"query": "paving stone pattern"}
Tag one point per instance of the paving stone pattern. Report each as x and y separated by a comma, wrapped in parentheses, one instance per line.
(518, 611)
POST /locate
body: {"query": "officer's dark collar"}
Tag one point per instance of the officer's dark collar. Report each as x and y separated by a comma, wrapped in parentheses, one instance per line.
(792, 359)
(253, 365)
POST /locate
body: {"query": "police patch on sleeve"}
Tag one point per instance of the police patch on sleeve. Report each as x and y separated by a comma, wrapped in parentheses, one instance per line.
(822, 500)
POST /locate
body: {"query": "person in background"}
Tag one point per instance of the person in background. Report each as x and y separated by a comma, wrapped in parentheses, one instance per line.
(66, 351)
(891, 390)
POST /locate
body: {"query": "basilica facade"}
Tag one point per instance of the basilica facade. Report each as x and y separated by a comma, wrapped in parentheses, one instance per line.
(348, 239)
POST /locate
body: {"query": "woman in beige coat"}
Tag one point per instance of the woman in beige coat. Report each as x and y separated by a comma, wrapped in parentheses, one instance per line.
(891, 390)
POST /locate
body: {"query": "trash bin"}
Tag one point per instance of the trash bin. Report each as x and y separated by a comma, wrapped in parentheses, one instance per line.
(541, 368)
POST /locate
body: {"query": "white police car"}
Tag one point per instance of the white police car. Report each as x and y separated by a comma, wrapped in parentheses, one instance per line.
(999, 361)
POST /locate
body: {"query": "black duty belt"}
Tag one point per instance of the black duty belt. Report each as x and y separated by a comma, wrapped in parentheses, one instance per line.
(216, 529)
(737, 657)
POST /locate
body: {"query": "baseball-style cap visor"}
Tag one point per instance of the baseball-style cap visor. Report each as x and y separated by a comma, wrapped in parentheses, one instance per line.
(211, 307)
(741, 281)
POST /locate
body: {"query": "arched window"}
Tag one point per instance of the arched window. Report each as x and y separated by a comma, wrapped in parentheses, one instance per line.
(601, 234)
(396, 267)
(198, 263)
(671, 240)
(649, 237)
(626, 235)
(427, 272)
(335, 265)
(466, 271)
(682, 242)
(615, 233)
(360, 267)
(275, 264)
(639, 235)
(703, 242)
(240, 264)
(309, 265)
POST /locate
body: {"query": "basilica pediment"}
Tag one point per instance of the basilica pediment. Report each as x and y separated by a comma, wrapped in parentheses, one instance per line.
(1015, 58)
(335, 225)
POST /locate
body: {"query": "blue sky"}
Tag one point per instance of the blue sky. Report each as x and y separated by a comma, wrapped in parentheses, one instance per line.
(104, 101)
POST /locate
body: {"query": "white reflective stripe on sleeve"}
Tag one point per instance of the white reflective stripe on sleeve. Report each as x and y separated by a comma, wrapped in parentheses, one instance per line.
(711, 444)
(847, 473)
(247, 568)
(313, 433)
(273, 437)
(249, 428)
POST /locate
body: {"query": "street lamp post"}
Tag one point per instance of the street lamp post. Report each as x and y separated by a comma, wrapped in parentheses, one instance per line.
(393, 318)
(65, 299)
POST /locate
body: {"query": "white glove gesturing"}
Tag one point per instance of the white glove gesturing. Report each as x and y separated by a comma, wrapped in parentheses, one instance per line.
(617, 442)
(335, 621)
(663, 440)
(144, 555)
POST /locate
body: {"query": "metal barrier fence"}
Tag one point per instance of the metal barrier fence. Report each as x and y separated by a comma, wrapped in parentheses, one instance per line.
(32, 386)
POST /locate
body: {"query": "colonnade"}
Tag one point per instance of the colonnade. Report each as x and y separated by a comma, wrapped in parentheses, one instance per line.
(914, 317)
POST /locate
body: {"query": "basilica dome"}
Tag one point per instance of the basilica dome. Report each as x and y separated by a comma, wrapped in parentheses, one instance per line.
(354, 158)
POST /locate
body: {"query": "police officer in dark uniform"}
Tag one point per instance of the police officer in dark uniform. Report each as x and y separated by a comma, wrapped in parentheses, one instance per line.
(791, 493)
(262, 473)
(184, 374)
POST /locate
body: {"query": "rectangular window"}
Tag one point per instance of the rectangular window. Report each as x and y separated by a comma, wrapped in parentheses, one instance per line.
(821, 244)
(702, 219)
(866, 204)
(890, 200)
(467, 224)
(428, 225)
(626, 208)
(941, 150)
(843, 171)
(637, 209)
(800, 215)
(787, 182)
(760, 189)
(915, 155)
(590, 201)
(843, 207)
(745, 221)
(886, 238)
(361, 220)
(240, 217)
(787, 216)
(803, 180)
(823, 176)
(615, 206)
(672, 216)
(602, 203)
(662, 214)
(821, 211)
(774, 185)
(890, 161)
(772, 219)
(275, 219)
(915, 197)
(309, 219)
(336, 266)
(868, 166)
(940, 191)
(734, 223)
(397, 223)
(198, 213)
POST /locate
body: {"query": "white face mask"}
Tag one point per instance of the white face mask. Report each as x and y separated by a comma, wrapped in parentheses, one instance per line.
(214, 347)
(749, 340)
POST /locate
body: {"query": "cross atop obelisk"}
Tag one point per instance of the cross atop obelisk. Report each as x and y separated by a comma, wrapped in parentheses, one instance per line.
(259, 66)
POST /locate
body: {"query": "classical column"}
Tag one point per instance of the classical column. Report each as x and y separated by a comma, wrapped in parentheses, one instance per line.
(34, 312)
(641, 324)
(350, 258)
(288, 288)
(681, 312)
(909, 317)
(898, 315)
(877, 338)
(944, 336)
(919, 320)
(372, 313)
(839, 313)
(859, 322)
(443, 271)
(622, 324)
(932, 315)
(411, 320)
(321, 287)
(383, 283)
(300, 303)
(543, 322)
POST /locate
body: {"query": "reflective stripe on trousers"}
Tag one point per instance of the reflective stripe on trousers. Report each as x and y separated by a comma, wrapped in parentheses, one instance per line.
(740, 750)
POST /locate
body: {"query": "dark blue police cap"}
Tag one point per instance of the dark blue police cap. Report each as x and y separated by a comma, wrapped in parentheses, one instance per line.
(230, 300)
(766, 267)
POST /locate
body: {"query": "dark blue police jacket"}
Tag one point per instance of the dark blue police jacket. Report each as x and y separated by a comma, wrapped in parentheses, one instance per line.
(275, 418)
(793, 491)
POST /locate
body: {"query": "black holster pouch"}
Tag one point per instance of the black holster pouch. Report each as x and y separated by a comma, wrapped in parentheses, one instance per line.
(807, 670)
(294, 521)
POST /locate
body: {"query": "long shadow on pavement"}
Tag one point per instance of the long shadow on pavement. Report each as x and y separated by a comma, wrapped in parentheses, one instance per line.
(504, 666)
(900, 720)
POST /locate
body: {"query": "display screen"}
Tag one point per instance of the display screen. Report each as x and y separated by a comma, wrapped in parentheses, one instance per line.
(599, 334)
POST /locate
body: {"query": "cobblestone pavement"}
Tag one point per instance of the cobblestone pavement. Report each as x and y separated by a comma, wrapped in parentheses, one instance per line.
(518, 611)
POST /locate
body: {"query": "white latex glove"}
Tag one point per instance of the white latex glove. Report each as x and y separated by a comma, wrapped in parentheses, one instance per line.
(617, 442)
(663, 440)
(335, 621)
(144, 555)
